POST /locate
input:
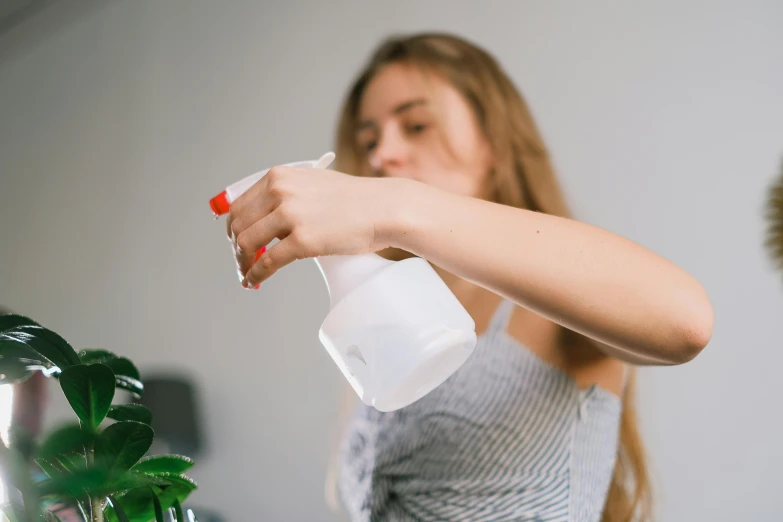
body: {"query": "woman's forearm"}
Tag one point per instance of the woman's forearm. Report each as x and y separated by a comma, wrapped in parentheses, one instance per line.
(587, 279)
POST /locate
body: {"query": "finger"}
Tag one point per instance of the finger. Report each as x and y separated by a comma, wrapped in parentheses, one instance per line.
(245, 219)
(240, 205)
(257, 236)
(258, 255)
(276, 257)
(228, 226)
(246, 198)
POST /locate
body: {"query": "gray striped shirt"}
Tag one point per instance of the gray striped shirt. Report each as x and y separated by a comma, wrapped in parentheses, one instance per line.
(507, 437)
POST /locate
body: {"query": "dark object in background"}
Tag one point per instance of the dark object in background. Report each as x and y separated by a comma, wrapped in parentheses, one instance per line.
(175, 413)
(774, 215)
(176, 422)
(28, 404)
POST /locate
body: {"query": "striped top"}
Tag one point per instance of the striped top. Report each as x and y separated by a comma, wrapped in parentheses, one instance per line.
(507, 437)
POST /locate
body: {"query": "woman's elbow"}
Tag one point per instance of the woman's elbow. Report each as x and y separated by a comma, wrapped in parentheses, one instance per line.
(695, 330)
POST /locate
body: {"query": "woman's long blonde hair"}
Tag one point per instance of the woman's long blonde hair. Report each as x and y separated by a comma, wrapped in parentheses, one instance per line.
(523, 177)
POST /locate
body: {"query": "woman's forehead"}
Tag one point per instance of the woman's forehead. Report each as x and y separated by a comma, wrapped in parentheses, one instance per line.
(397, 85)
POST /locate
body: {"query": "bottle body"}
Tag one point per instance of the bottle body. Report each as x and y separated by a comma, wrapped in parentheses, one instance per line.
(398, 334)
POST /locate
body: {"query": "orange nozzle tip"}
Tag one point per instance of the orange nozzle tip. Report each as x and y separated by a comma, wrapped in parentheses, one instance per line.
(219, 204)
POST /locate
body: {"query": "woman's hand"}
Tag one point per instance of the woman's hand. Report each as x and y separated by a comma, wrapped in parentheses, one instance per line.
(312, 212)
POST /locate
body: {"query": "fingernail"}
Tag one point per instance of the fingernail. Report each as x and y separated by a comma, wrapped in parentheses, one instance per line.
(246, 284)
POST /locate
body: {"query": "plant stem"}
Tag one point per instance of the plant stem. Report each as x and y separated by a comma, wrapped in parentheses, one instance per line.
(97, 512)
(95, 502)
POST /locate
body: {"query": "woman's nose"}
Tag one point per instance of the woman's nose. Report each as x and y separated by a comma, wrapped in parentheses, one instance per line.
(391, 155)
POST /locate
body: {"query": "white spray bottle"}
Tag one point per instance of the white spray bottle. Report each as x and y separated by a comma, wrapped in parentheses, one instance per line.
(394, 329)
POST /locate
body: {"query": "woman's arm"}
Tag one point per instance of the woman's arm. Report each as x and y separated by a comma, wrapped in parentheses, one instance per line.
(638, 306)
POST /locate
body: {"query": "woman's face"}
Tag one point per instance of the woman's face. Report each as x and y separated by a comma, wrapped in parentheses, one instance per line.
(420, 127)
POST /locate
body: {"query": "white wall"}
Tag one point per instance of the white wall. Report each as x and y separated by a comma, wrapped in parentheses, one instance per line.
(118, 121)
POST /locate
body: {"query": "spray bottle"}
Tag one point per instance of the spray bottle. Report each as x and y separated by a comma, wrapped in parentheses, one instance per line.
(394, 329)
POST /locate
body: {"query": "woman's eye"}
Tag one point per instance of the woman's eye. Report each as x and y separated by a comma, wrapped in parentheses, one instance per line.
(417, 128)
(370, 146)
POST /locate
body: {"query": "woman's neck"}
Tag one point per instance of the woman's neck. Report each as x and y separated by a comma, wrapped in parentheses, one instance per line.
(479, 302)
(467, 293)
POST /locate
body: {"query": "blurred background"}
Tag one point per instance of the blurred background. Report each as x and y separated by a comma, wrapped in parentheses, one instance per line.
(119, 120)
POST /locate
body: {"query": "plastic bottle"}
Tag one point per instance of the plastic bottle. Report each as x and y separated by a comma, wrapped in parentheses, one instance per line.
(394, 329)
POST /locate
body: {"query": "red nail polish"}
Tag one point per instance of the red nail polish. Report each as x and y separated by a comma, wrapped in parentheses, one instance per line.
(259, 253)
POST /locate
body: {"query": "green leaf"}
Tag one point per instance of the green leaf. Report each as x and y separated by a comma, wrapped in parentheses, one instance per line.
(89, 390)
(133, 386)
(158, 508)
(83, 510)
(164, 464)
(72, 462)
(122, 444)
(44, 341)
(10, 321)
(94, 482)
(67, 439)
(62, 465)
(179, 490)
(97, 355)
(134, 479)
(18, 362)
(51, 469)
(179, 480)
(127, 375)
(73, 485)
(138, 504)
(115, 504)
(178, 515)
(120, 365)
(135, 412)
(124, 367)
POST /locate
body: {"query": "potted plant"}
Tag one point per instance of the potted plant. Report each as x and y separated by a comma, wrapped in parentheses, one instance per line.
(96, 465)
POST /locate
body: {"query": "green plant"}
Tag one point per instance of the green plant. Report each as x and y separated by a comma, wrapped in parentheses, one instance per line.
(93, 465)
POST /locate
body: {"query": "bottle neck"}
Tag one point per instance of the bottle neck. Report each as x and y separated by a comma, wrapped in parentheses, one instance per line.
(344, 273)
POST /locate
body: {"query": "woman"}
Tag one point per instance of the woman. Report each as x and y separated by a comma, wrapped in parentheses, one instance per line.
(446, 163)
